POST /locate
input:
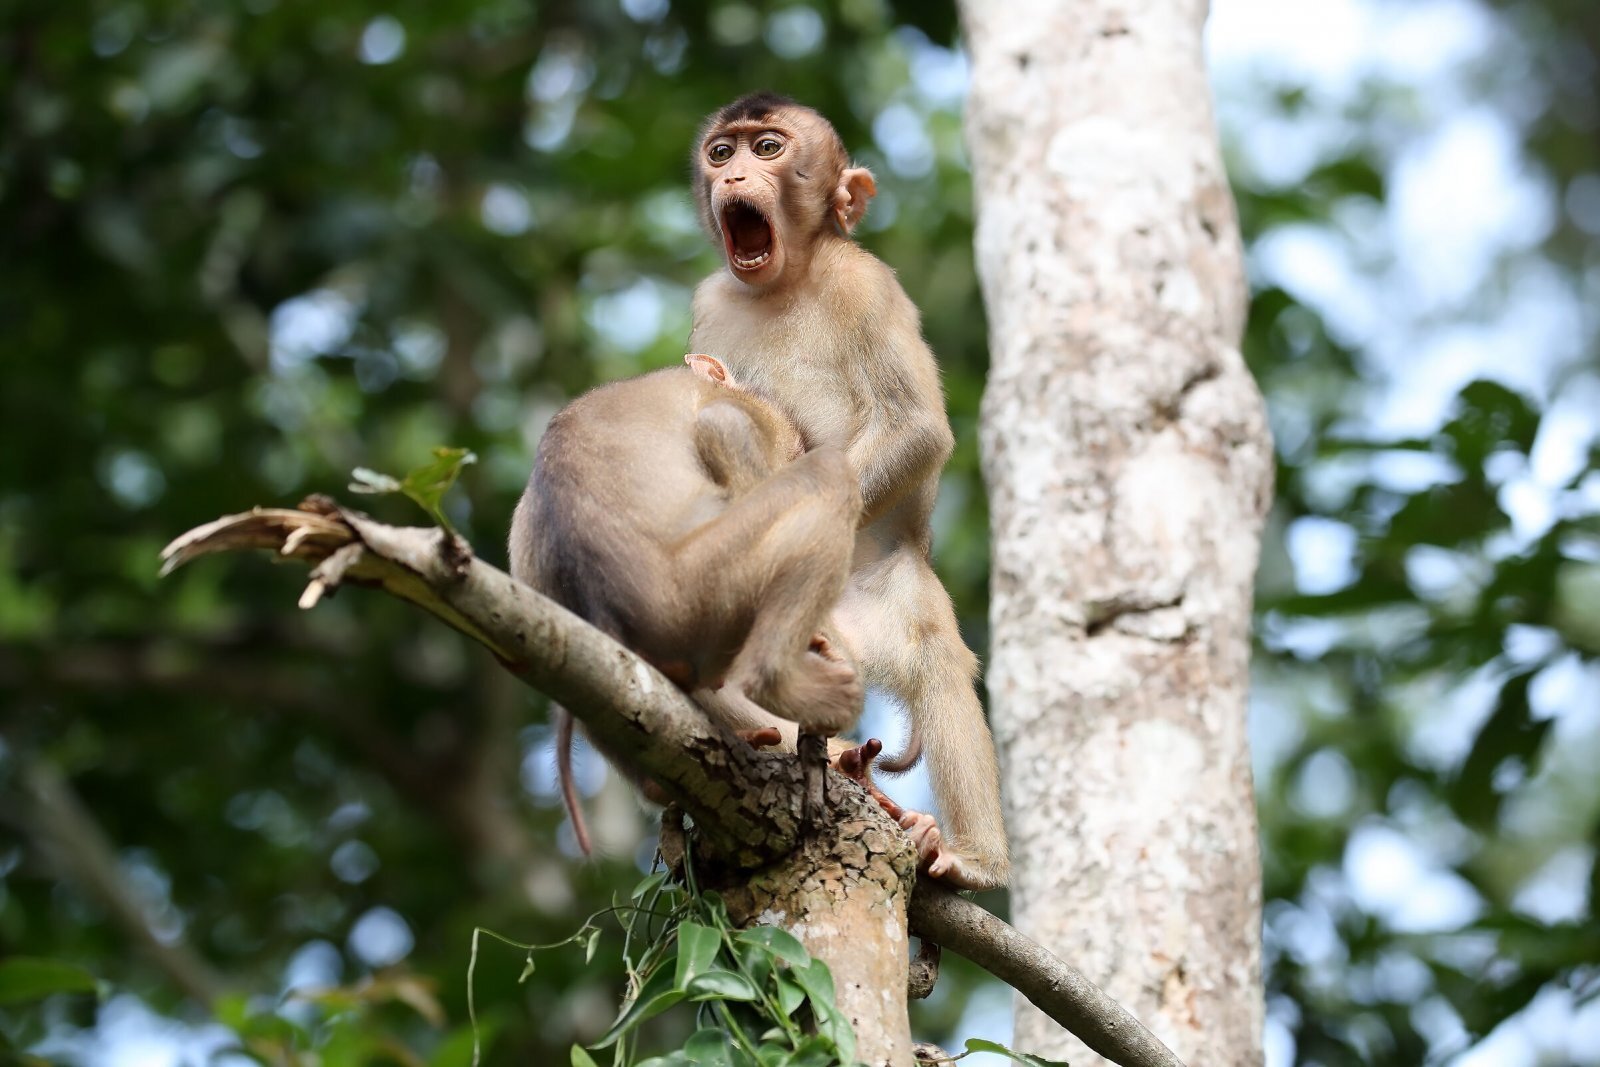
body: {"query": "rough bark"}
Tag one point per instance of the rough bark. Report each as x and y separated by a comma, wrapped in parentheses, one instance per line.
(837, 874)
(1129, 467)
(844, 896)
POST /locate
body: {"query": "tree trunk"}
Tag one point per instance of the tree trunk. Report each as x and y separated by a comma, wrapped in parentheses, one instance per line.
(843, 894)
(1129, 467)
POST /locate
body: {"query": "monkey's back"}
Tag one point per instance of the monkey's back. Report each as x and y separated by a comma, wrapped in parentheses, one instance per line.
(624, 474)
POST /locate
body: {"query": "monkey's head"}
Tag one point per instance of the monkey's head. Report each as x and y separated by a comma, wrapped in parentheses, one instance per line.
(772, 179)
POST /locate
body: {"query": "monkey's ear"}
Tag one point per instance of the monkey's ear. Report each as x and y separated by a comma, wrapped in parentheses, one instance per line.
(708, 367)
(856, 190)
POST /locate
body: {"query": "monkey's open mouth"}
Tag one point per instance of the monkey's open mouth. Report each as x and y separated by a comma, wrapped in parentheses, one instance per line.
(747, 235)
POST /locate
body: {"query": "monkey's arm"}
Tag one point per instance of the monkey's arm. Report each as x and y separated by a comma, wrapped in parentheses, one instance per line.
(894, 459)
(907, 436)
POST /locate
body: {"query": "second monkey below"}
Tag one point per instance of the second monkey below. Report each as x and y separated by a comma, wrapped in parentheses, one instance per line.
(806, 318)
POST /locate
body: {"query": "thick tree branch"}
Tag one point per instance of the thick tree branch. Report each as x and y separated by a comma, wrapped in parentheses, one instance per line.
(746, 802)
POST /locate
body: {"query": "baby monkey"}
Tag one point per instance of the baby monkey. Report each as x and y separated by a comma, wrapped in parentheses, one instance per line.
(821, 328)
(679, 515)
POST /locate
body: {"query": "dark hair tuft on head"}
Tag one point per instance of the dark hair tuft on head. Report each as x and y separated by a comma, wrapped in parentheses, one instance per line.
(753, 107)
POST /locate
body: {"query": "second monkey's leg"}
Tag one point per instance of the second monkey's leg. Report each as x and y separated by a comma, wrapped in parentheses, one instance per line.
(904, 627)
(778, 555)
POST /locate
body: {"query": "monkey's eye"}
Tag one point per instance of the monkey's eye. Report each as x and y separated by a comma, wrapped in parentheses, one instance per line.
(720, 153)
(767, 147)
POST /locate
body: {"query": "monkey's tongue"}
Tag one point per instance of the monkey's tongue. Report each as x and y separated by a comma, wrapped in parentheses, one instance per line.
(749, 236)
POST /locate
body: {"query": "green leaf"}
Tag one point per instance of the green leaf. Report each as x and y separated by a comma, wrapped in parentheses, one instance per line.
(527, 970)
(656, 997)
(26, 978)
(716, 912)
(647, 885)
(781, 943)
(1511, 732)
(977, 1044)
(428, 483)
(697, 948)
(581, 1058)
(814, 1051)
(771, 1055)
(817, 981)
(425, 485)
(756, 964)
(722, 985)
(1488, 418)
(671, 1059)
(708, 1048)
(790, 995)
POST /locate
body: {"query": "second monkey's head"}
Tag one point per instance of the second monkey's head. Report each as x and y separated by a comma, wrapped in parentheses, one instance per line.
(773, 179)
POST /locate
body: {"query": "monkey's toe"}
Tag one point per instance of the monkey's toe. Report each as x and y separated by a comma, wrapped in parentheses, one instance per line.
(856, 763)
(764, 737)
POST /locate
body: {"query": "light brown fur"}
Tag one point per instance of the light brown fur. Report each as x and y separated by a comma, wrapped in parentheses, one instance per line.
(822, 328)
(675, 512)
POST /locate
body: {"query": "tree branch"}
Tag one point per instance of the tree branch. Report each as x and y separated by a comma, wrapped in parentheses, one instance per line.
(1055, 988)
(747, 803)
(629, 707)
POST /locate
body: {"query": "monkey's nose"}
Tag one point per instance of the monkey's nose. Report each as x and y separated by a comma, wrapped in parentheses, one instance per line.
(730, 179)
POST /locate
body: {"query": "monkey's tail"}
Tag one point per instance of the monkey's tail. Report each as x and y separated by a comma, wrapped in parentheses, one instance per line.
(569, 790)
(907, 759)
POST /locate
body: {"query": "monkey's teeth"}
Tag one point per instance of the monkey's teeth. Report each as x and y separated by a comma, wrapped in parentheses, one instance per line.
(753, 262)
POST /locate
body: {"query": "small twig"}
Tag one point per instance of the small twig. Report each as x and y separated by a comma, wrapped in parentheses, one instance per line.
(812, 751)
(924, 973)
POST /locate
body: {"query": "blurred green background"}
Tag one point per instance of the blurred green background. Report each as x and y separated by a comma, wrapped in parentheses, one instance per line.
(247, 246)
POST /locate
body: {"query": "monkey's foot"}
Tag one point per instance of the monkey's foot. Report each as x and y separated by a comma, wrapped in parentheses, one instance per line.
(763, 737)
(934, 858)
(856, 763)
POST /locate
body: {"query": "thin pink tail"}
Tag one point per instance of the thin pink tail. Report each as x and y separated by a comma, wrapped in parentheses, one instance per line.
(569, 790)
(907, 759)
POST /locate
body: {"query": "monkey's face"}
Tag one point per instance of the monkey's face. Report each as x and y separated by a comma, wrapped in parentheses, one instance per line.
(762, 192)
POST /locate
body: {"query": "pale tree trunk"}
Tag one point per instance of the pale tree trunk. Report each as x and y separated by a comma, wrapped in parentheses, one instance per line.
(1129, 467)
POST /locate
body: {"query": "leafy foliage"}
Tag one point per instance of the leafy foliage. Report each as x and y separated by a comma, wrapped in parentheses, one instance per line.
(246, 248)
(760, 999)
(425, 485)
